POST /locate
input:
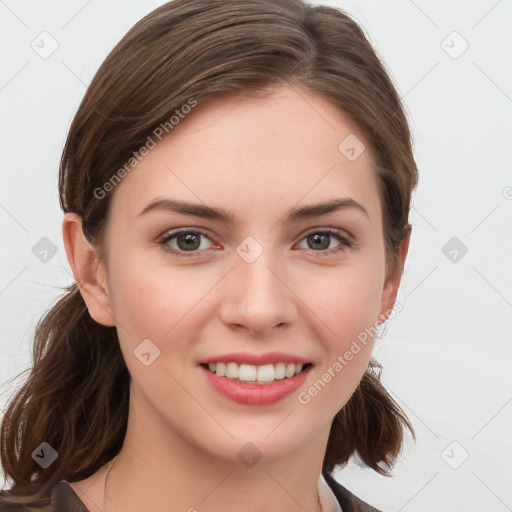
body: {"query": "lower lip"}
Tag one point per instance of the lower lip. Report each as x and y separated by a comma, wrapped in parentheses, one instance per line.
(255, 394)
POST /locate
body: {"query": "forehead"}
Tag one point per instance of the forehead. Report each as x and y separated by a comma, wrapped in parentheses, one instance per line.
(249, 153)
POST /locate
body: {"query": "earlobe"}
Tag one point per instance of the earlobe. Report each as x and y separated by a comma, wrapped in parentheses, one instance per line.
(88, 270)
(392, 283)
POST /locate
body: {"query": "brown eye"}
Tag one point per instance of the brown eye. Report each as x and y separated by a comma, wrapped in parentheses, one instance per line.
(188, 242)
(320, 241)
(184, 241)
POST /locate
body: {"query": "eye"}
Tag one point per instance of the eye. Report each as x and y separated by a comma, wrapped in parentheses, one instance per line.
(321, 240)
(183, 241)
(188, 240)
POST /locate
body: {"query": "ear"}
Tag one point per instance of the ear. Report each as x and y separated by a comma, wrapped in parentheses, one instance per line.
(392, 282)
(88, 270)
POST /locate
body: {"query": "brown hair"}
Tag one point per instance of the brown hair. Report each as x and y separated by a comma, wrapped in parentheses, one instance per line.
(77, 393)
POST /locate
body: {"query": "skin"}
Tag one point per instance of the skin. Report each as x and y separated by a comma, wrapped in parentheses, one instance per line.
(257, 158)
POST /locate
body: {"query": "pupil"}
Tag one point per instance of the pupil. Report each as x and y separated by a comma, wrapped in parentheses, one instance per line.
(189, 238)
(192, 241)
(316, 239)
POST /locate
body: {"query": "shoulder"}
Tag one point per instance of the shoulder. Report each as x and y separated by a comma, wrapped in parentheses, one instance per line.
(349, 502)
(58, 497)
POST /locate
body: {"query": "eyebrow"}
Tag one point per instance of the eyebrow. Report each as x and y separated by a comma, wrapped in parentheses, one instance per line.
(221, 215)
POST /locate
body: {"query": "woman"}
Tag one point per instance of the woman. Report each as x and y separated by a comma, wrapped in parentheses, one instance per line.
(236, 186)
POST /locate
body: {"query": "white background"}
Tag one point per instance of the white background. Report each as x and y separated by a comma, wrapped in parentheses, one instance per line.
(447, 355)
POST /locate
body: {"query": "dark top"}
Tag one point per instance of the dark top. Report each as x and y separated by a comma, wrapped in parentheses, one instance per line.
(62, 498)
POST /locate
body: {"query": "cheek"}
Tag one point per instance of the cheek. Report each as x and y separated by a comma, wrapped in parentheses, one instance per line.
(148, 305)
(348, 301)
(350, 309)
(160, 303)
(355, 329)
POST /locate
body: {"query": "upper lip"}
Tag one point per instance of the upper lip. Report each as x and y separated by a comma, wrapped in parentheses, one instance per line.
(256, 359)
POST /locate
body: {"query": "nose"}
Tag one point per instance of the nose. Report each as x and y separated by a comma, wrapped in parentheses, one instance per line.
(258, 296)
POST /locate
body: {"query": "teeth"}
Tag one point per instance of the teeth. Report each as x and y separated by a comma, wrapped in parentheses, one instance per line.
(257, 374)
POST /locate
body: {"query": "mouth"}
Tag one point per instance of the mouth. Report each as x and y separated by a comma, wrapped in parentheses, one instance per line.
(253, 374)
(255, 385)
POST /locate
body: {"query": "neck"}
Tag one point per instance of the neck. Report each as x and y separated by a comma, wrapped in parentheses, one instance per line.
(161, 469)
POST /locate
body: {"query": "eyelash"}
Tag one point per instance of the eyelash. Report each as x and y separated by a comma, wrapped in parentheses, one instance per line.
(345, 242)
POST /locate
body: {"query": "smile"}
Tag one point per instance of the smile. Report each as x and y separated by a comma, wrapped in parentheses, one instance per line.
(253, 391)
(256, 374)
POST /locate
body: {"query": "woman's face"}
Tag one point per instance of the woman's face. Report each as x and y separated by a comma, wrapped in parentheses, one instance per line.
(265, 282)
